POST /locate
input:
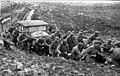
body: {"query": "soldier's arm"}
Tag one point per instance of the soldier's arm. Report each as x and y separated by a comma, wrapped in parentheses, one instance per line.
(60, 35)
(50, 49)
(20, 31)
(68, 47)
(68, 36)
(45, 43)
(78, 51)
(116, 44)
(103, 46)
(75, 50)
(84, 52)
(85, 37)
(101, 54)
(58, 49)
(102, 40)
(18, 38)
(86, 31)
(24, 40)
(65, 36)
(13, 32)
(2, 35)
(74, 39)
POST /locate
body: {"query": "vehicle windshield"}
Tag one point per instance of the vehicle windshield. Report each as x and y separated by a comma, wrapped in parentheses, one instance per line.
(40, 28)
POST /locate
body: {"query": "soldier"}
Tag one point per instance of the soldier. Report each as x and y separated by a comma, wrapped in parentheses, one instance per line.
(51, 29)
(46, 49)
(92, 54)
(93, 37)
(15, 34)
(66, 35)
(53, 47)
(48, 40)
(77, 50)
(28, 44)
(80, 37)
(58, 34)
(21, 37)
(99, 39)
(5, 34)
(39, 46)
(107, 47)
(63, 49)
(52, 37)
(46, 45)
(10, 30)
(71, 40)
(115, 57)
(7, 44)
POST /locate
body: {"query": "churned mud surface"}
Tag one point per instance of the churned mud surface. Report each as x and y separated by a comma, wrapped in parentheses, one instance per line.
(18, 63)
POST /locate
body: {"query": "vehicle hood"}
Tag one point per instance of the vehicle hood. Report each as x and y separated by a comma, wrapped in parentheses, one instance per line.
(39, 34)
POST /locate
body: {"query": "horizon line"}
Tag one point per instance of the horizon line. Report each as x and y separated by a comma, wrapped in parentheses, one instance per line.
(68, 1)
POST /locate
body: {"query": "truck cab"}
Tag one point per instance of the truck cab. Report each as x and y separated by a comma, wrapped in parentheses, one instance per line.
(34, 28)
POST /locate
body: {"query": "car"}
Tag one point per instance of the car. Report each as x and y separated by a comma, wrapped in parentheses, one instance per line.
(34, 28)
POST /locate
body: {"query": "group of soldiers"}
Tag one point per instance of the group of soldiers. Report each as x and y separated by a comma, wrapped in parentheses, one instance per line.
(70, 46)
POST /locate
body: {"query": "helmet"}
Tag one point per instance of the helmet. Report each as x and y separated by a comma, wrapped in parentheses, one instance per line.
(81, 30)
(57, 38)
(69, 31)
(98, 38)
(73, 31)
(97, 32)
(109, 40)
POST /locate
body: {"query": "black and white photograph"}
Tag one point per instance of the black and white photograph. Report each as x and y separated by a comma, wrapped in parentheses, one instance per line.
(59, 38)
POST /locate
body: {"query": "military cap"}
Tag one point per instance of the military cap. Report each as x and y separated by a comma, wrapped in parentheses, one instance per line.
(96, 42)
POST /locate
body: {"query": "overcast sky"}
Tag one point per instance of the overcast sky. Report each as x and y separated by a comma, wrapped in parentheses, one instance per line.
(102, 1)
